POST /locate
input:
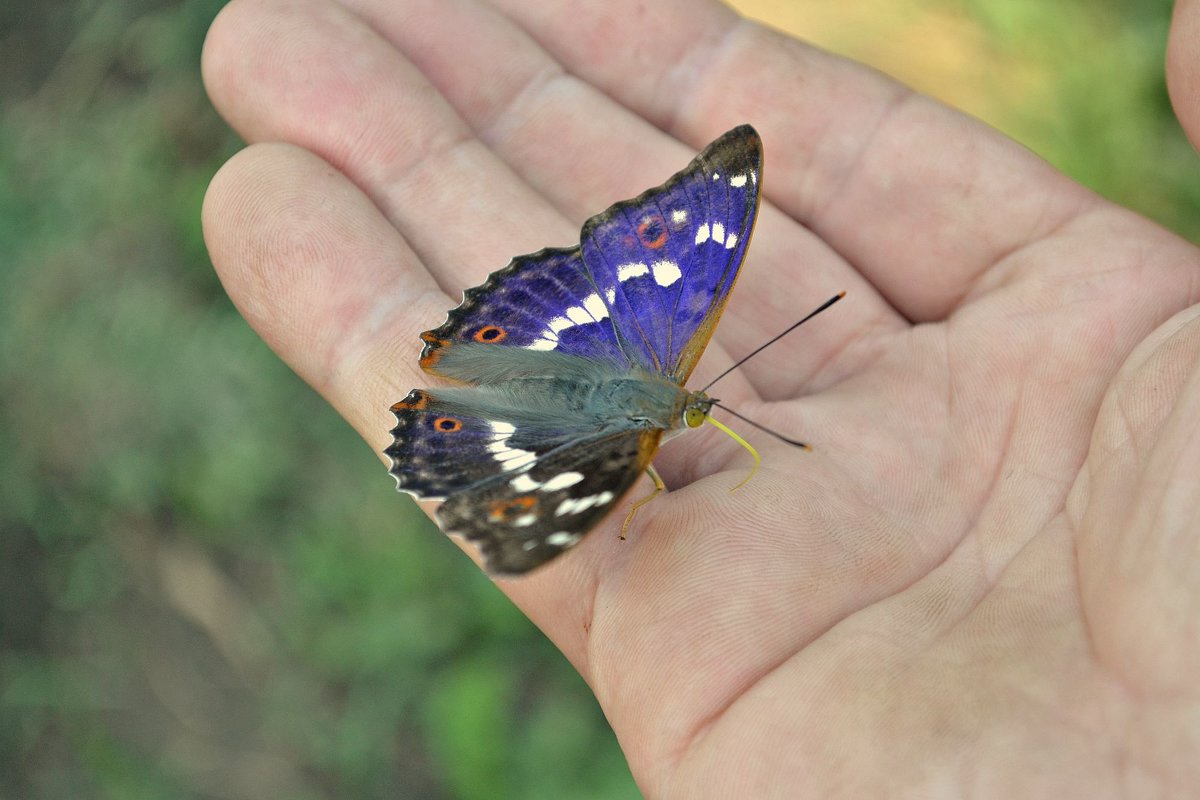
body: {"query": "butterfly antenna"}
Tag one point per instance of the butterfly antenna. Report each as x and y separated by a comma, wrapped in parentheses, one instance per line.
(764, 428)
(764, 346)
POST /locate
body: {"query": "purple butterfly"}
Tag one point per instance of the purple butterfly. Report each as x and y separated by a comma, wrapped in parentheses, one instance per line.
(575, 360)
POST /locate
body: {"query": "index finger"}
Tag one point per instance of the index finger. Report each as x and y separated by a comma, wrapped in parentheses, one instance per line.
(922, 199)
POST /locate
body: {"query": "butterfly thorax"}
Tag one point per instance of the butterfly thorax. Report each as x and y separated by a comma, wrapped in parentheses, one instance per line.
(645, 400)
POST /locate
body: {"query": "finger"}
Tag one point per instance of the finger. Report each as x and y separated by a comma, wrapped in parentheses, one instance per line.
(1136, 516)
(321, 272)
(327, 282)
(461, 211)
(279, 71)
(1183, 66)
(322, 277)
(583, 151)
(922, 199)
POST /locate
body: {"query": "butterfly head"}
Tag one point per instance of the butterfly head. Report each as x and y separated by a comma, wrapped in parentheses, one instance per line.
(696, 409)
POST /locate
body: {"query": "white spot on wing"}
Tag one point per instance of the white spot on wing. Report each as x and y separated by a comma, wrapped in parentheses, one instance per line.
(524, 458)
(627, 271)
(510, 458)
(524, 483)
(679, 216)
(738, 181)
(702, 234)
(595, 306)
(574, 505)
(562, 481)
(718, 232)
(666, 272)
(524, 521)
(562, 539)
(730, 241)
(579, 315)
(611, 294)
(592, 310)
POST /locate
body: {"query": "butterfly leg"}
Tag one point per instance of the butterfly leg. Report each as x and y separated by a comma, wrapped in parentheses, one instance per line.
(659, 487)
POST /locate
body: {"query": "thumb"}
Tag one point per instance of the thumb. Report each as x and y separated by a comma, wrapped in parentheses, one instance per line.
(1183, 66)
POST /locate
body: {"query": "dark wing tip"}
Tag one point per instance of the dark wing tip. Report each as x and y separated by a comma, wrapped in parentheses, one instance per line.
(737, 147)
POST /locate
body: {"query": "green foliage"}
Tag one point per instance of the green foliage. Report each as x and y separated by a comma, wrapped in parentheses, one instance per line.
(208, 588)
(1099, 110)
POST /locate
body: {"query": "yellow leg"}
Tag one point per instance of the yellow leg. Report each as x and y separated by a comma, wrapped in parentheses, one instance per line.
(659, 488)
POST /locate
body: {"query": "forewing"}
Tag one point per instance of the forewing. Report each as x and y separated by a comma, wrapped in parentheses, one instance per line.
(524, 519)
(644, 288)
(542, 301)
(667, 259)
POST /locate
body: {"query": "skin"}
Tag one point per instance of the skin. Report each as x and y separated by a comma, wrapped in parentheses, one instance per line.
(984, 580)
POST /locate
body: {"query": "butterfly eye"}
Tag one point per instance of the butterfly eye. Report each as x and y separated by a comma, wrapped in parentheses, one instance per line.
(490, 334)
(694, 417)
(448, 424)
(652, 232)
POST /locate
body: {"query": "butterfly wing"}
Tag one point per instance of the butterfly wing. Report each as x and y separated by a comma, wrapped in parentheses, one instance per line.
(523, 520)
(642, 291)
(544, 301)
(646, 285)
(524, 491)
(447, 440)
(669, 257)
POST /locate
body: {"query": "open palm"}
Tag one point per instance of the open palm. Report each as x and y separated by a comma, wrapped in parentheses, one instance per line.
(986, 576)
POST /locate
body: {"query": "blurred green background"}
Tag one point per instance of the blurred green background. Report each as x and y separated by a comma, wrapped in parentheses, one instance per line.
(208, 588)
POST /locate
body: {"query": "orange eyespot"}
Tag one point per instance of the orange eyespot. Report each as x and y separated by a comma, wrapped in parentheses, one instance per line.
(505, 510)
(490, 334)
(652, 232)
(448, 424)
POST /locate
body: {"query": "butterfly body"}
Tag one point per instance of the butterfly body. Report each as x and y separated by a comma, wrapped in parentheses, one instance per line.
(574, 362)
(559, 391)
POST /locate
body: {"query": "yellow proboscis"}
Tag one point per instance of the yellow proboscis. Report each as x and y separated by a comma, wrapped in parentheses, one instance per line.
(659, 486)
(757, 460)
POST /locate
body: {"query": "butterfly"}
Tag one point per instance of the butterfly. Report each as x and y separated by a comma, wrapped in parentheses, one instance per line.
(572, 364)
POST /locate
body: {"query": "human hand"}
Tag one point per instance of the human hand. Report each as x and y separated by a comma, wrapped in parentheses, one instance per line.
(984, 578)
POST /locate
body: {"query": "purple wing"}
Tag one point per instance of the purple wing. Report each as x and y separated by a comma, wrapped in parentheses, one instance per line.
(542, 301)
(646, 285)
(669, 258)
